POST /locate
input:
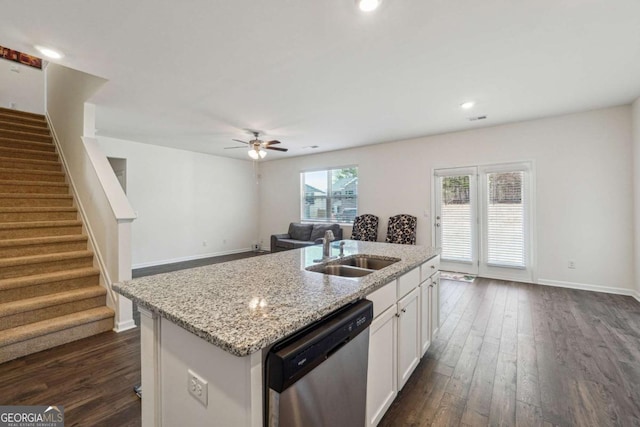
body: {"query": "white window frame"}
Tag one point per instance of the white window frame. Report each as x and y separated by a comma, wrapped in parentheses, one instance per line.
(302, 194)
(493, 272)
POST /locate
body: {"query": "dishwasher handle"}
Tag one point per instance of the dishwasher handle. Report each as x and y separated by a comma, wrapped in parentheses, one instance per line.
(293, 358)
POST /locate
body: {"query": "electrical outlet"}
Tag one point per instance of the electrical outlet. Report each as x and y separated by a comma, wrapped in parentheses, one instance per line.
(256, 247)
(197, 387)
(572, 265)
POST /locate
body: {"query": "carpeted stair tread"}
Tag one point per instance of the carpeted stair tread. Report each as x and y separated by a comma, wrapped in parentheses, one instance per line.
(27, 136)
(42, 240)
(38, 329)
(36, 209)
(38, 224)
(36, 199)
(35, 196)
(27, 145)
(34, 259)
(39, 279)
(41, 123)
(29, 245)
(35, 303)
(32, 154)
(36, 187)
(17, 118)
(22, 127)
(33, 183)
(37, 172)
(53, 165)
(19, 113)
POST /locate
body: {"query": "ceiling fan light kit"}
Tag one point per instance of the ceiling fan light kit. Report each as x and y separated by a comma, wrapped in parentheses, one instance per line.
(256, 153)
(258, 148)
(368, 5)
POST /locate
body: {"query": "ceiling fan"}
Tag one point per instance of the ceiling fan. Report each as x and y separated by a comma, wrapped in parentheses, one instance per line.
(258, 147)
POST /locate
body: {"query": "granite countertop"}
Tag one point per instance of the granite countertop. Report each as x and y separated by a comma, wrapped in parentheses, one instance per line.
(243, 306)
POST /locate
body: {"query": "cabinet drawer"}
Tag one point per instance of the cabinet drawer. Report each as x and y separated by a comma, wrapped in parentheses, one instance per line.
(429, 268)
(383, 298)
(408, 282)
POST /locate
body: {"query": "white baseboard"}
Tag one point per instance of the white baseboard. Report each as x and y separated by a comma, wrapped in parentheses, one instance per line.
(189, 258)
(593, 288)
(124, 326)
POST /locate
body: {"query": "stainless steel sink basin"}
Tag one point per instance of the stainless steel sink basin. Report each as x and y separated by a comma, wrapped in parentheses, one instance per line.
(368, 261)
(354, 266)
(340, 270)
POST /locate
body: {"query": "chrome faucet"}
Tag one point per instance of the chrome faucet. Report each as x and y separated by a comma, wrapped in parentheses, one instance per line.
(326, 244)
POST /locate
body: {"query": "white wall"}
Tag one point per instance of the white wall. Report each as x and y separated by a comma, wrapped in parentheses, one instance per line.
(183, 199)
(584, 196)
(25, 88)
(67, 91)
(636, 191)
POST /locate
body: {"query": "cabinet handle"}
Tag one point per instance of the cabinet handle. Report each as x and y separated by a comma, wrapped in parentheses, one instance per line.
(404, 310)
(433, 267)
(397, 315)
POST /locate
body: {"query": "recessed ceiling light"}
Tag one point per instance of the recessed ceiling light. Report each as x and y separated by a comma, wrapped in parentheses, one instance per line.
(467, 105)
(49, 53)
(368, 5)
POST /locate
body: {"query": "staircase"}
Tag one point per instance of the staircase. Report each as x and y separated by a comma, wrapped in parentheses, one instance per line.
(49, 290)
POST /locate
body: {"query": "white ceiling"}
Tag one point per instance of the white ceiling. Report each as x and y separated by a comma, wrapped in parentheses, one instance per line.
(194, 74)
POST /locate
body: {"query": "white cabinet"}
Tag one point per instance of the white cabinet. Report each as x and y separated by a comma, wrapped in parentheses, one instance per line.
(408, 336)
(381, 376)
(435, 304)
(425, 315)
(400, 334)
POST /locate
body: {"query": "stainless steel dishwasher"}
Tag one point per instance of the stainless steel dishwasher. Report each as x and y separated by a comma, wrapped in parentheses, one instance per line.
(318, 376)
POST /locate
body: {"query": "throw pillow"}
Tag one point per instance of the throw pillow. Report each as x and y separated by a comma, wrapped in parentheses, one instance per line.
(299, 231)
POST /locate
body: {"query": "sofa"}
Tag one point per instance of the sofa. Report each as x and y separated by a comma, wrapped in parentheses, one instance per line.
(301, 235)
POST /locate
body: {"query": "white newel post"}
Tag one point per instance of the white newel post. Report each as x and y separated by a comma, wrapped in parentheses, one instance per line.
(124, 312)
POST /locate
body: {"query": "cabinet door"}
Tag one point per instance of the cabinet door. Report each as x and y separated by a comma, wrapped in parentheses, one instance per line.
(408, 336)
(425, 316)
(381, 376)
(435, 304)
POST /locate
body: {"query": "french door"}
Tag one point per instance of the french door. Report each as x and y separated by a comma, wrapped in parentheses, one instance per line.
(483, 220)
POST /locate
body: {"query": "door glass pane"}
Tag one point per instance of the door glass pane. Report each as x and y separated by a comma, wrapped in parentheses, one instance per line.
(456, 217)
(506, 219)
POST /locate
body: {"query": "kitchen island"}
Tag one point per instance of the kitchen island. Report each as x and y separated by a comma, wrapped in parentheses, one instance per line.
(217, 322)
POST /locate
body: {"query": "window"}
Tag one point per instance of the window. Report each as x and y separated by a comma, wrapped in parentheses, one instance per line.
(330, 195)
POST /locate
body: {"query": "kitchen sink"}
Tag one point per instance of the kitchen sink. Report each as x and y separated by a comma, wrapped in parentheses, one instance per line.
(340, 270)
(368, 261)
(354, 266)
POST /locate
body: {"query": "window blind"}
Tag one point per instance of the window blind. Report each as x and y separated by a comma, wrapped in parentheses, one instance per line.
(506, 207)
(455, 218)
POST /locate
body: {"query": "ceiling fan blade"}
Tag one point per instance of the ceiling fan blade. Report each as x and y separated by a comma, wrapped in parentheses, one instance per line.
(237, 140)
(275, 141)
(277, 149)
(231, 148)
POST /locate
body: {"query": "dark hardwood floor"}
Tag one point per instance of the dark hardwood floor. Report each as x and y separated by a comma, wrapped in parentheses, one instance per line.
(165, 268)
(530, 355)
(92, 378)
(507, 354)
